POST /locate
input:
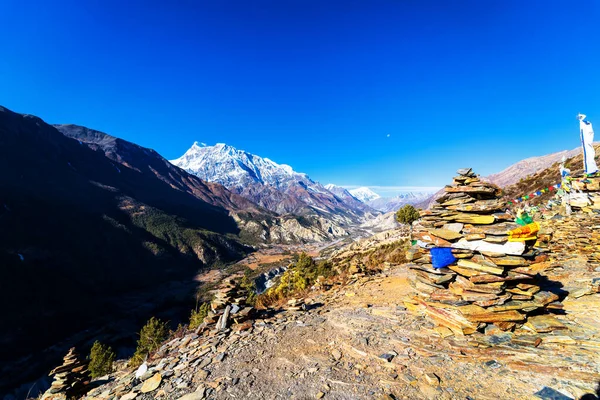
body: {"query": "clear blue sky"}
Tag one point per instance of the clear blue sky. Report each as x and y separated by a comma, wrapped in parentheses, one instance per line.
(315, 84)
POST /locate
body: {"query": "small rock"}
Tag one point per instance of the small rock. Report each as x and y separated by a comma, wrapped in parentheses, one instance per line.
(493, 364)
(203, 374)
(336, 354)
(432, 379)
(152, 384)
(129, 396)
(320, 395)
(550, 394)
(193, 396)
(147, 375)
(387, 357)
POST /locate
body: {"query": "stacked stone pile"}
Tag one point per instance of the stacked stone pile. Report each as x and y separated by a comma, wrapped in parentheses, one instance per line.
(577, 235)
(492, 280)
(296, 304)
(230, 292)
(229, 308)
(586, 194)
(70, 379)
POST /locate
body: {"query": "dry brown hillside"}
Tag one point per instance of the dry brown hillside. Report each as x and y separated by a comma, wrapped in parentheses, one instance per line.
(545, 178)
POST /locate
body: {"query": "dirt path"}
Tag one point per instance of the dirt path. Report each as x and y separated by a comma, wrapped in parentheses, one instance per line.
(336, 350)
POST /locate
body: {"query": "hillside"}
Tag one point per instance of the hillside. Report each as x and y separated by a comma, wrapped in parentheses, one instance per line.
(523, 171)
(351, 201)
(529, 166)
(256, 224)
(547, 177)
(78, 230)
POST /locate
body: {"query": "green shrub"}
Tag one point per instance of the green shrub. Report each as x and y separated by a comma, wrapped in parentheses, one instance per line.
(101, 360)
(198, 315)
(151, 336)
(247, 283)
(407, 214)
(297, 279)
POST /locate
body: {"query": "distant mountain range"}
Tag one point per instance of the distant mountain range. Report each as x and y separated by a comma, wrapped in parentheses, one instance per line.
(364, 194)
(386, 204)
(276, 187)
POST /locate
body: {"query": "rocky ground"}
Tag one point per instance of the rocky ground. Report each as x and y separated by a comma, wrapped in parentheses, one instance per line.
(366, 338)
(359, 341)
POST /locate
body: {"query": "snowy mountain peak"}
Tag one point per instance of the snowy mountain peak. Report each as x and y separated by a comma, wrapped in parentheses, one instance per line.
(276, 187)
(364, 194)
(234, 168)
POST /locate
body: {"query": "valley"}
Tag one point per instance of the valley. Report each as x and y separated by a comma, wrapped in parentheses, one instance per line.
(100, 234)
(331, 200)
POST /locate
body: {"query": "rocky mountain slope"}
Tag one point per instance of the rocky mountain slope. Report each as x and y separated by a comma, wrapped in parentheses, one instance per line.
(350, 200)
(87, 219)
(256, 224)
(363, 337)
(385, 204)
(382, 222)
(276, 187)
(529, 166)
(547, 177)
(519, 171)
(78, 230)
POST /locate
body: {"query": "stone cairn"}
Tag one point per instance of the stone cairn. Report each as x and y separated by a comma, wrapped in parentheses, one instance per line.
(492, 280)
(295, 304)
(70, 379)
(229, 308)
(579, 233)
(585, 195)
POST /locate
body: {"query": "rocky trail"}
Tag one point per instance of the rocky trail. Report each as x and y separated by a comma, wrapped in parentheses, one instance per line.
(359, 341)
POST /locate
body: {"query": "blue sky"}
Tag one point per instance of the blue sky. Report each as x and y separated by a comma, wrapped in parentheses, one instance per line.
(374, 93)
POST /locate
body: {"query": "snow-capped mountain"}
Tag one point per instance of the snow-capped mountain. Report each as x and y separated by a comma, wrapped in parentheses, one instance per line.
(387, 204)
(346, 197)
(364, 194)
(340, 192)
(236, 168)
(274, 186)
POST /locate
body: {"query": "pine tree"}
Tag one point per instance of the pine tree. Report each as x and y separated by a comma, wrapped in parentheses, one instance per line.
(101, 360)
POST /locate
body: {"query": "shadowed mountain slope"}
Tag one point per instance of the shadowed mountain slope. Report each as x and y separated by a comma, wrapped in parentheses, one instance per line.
(78, 229)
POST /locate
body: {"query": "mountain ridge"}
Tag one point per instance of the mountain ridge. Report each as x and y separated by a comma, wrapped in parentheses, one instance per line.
(274, 186)
(511, 175)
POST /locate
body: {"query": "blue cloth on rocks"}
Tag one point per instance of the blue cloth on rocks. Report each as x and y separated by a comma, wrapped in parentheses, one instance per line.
(442, 257)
